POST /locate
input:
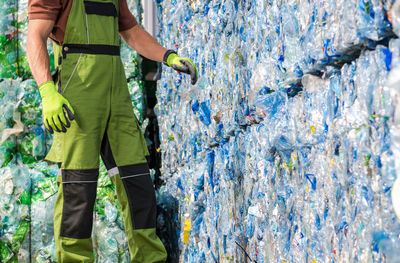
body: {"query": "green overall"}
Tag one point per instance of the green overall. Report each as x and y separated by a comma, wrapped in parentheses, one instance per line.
(91, 77)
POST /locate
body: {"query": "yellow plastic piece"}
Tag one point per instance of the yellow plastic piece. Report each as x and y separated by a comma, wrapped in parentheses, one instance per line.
(186, 230)
(226, 57)
(312, 128)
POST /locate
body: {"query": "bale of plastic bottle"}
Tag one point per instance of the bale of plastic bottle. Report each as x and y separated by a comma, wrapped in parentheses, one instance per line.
(286, 148)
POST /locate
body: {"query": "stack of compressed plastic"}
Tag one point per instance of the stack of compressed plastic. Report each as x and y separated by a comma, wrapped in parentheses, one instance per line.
(23, 143)
(13, 61)
(132, 60)
(28, 185)
(9, 41)
(285, 149)
(43, 194)
(21, 123)
(15, 214)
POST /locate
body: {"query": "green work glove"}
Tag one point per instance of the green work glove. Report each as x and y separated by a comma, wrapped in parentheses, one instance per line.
(184, 65)
(57, 112)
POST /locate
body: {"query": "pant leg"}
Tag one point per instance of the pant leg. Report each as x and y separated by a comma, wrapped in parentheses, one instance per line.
(136, 194)
(73, 220)
(124, 152)
(78, 151)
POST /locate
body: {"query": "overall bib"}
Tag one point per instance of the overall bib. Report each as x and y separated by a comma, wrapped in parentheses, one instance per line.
(91, 77)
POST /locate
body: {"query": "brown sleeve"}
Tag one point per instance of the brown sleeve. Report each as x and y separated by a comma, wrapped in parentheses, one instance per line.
(125, 20)
(44, 9)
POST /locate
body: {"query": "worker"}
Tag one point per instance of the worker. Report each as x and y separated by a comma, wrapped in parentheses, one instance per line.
(87, 105)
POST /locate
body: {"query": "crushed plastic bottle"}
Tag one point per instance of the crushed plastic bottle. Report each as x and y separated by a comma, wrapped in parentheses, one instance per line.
(395, 15)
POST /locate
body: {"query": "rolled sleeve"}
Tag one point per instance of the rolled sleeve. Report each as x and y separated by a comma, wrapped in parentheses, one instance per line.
(44, 9)
(126, 19)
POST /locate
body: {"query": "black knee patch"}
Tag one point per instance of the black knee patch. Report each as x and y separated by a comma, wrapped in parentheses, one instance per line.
(141, 196)
(79, 190)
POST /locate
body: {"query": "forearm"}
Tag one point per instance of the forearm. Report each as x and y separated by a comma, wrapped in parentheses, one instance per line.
(144, 43)
(38, 56)
(147, 46)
